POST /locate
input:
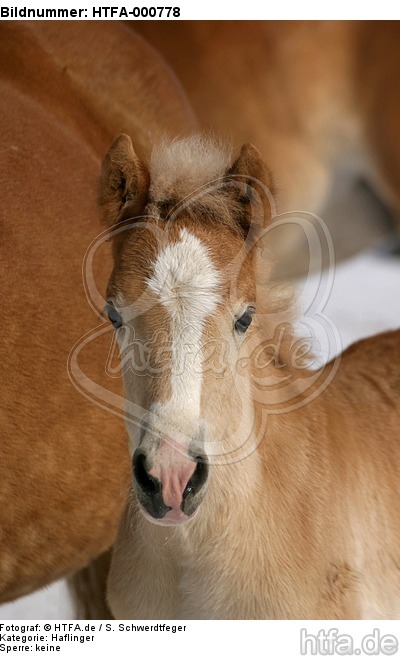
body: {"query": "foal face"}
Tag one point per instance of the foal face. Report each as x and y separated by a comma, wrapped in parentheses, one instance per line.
(182, 300)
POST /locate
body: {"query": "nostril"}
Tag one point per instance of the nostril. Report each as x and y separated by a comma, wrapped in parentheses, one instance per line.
(198, 478)
(146, 482)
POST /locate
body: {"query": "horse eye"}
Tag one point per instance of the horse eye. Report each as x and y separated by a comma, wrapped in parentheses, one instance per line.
(244, 321)
(113, 315)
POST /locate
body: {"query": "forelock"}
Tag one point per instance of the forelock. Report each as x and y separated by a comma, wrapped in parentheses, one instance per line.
(179, 167)
(192, 176)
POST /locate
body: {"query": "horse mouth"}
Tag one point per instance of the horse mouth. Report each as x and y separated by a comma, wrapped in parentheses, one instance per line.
(172, 517)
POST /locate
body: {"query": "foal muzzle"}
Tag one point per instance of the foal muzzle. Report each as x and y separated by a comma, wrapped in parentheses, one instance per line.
(171, 486)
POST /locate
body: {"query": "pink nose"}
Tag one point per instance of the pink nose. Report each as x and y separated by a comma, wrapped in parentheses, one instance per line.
(173, 486)
(173, 483)
(173, 469)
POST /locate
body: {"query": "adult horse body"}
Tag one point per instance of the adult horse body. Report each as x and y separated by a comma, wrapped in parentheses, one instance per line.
(318, 98)
(66, 90)
(243, 507)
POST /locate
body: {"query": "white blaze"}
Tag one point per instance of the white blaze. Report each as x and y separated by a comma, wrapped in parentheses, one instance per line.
(186, 284)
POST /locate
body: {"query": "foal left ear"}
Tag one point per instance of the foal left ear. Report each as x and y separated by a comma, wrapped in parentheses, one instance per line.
(255, 188)
(124, 182)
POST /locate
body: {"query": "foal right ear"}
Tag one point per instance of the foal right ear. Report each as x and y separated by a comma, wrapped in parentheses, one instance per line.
(124, 182)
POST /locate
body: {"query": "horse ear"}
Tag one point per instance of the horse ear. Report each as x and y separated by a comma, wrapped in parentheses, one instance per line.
(124, 182)
(254, 186)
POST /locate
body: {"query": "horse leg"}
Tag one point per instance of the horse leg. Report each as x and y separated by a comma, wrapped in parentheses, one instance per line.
(378, 89)
(88, 589)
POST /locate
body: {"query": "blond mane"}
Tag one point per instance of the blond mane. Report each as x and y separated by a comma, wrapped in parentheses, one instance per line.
(179, 167)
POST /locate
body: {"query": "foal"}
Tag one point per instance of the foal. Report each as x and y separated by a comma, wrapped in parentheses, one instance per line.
(238, 508)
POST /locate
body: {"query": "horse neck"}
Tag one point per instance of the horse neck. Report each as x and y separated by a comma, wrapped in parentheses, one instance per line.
(278, 465)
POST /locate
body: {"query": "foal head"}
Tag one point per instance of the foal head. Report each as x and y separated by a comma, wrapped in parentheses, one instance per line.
(182, 299)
